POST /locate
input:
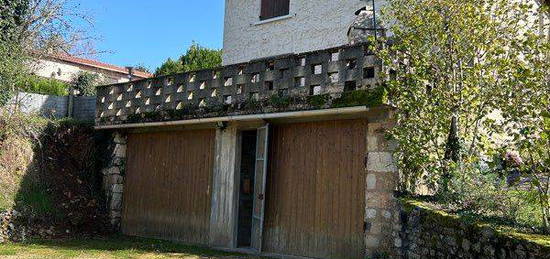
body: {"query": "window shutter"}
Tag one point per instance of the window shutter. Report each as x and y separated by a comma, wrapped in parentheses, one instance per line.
(274, 8)
(266, 9)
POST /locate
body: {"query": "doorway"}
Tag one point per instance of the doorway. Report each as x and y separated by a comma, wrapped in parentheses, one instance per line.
(246, 193)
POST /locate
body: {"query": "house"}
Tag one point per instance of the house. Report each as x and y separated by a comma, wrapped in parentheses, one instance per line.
(65, 68)
(281, 151)
(266, 28)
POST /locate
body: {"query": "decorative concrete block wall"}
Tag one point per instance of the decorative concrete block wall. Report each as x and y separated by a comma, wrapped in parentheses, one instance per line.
(113, 178)
(307, 81)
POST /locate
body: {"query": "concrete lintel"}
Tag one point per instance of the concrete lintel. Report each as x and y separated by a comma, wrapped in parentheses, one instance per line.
(352, 112)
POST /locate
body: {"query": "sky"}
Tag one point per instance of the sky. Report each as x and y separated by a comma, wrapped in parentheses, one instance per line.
(134, 32)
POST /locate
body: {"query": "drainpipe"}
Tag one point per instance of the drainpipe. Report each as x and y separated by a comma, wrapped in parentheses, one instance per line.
(130, 73)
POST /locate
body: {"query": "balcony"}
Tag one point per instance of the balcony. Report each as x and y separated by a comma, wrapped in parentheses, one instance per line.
(341, 77)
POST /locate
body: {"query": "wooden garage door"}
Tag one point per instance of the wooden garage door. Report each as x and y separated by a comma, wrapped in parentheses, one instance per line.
(168, 185)
(316, 189)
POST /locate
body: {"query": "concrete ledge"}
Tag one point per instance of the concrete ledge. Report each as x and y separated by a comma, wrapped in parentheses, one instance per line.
(266, 116)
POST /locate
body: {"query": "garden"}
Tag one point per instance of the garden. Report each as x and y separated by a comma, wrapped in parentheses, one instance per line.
(470, 84)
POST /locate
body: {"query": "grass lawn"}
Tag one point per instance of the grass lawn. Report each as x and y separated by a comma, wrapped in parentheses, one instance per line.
(111, 247)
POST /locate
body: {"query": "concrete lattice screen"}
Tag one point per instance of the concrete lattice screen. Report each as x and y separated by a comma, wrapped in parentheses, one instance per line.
(331, 71)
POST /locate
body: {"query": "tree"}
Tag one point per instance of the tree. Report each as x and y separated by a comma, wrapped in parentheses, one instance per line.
(196, 58)
(86, 83)
(455, 65)
(465, 77)
(170, 67)
(142, 68)
(33, 28)
(12, 68)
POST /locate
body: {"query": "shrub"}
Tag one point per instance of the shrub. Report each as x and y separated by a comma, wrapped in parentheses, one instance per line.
(47, 86)
(86, 83)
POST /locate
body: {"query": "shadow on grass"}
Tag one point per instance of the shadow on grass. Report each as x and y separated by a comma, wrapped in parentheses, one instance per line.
(133, 245)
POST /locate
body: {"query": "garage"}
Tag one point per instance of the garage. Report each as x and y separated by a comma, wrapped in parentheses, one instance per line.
(167, 193)
(315, 196)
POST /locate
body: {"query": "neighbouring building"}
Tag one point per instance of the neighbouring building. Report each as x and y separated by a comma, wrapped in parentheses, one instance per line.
(281, 152)
(65, 68)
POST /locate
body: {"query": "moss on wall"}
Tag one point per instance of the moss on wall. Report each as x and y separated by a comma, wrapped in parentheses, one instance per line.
(275, 103)
(369, 98)
(441, 219)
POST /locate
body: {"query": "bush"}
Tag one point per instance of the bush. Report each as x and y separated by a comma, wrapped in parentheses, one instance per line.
(46, 86)
(495, 193)
(49, 174)
(86, 83)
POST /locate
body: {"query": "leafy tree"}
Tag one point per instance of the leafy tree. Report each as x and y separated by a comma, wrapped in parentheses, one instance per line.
(467, 78)
(170, 67)
(142, 68)
(86, 83)
(12, 16)
(196, 58)
(31, 28)
(12, 68)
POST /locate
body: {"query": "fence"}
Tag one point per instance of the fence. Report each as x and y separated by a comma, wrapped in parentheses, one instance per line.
(324, 72)
(78, 107)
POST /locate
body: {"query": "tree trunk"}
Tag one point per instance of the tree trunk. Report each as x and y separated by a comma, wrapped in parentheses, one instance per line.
(452, 153)
(452, 150)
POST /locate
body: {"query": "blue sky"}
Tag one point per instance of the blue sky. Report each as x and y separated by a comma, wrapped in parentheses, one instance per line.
(148, 32)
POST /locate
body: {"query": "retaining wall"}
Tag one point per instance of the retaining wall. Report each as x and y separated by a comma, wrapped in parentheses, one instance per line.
(50, 106)
(429, 233)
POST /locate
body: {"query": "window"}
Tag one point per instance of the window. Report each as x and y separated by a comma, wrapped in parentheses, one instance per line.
(274, 8)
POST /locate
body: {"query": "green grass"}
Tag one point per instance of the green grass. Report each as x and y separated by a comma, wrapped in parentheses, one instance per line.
(112, 247)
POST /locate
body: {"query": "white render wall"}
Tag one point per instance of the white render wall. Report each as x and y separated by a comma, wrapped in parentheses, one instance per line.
(311, 25)
(50, 69)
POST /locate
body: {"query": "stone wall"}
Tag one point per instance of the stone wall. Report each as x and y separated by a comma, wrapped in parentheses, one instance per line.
(381, 212)
(113, 178)
(428, 233)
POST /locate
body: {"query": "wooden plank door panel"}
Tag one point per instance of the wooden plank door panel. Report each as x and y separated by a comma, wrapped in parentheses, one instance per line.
(167, 188)
(316, 189)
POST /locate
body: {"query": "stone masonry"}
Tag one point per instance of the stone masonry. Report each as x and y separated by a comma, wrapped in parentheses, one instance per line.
(381, 213)
(113, 178)
(428, 233)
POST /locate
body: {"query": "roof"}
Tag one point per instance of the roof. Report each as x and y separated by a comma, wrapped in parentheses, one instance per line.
(100, 65)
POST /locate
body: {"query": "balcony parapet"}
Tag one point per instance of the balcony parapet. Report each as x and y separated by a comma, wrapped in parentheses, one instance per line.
(340, 77)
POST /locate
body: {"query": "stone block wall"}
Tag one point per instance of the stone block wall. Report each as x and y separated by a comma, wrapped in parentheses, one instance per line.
(113, 178)
(84, 108)
(381, 210)
(428, 233)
